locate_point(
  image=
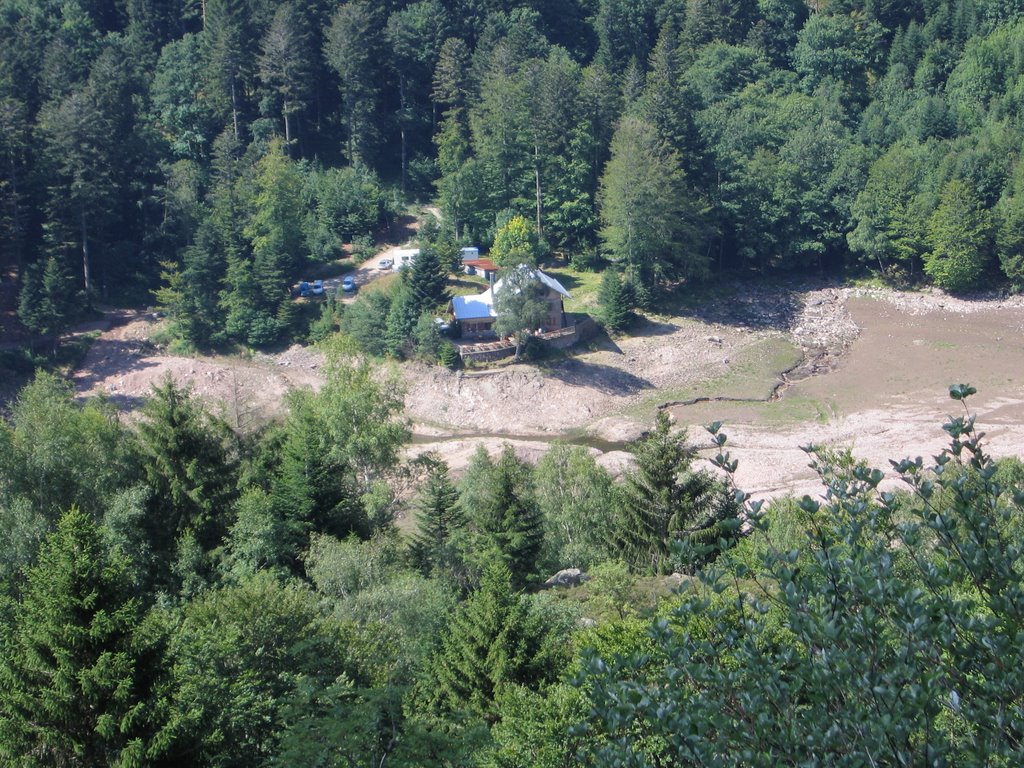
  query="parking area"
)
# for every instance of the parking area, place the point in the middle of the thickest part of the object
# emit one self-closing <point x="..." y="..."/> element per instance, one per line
<point x="370" y="270"/>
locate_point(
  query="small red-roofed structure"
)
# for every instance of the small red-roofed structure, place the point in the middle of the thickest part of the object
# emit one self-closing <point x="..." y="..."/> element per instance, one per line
<point x="485" y="267"/>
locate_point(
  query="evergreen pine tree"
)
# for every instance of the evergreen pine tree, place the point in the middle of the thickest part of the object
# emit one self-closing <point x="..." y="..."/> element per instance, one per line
<point x="614" y="301"/>
<point x="68" y="670"/>
<point x="489" y="642"/>
<point x="507" y="519"/>
<point x="475" y="484"/>
<point x="349" y="45"/>
<point x="666" y="102"/>
<point x="46" y="302"/>
<point x="652" y="224"/>
<point x="655" y="499"/>
<point x="229" y="37"/>
<point x="314" y="490"/>
<point x="959" y="232"/>
<point x="275" y="228"/>
<point x="402" y="318"/>
<point x="428" y="278"/>
<point x="439" y="517"/>
<point x="186" y="458"/>
<point x="1009" y="235"/>
<point x="286" y="64"/>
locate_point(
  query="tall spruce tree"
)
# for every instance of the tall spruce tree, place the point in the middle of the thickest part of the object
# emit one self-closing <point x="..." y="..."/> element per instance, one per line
<point x="314" y="488"/>
<point x="427" y="281"/>
<point x="349" y="43"/>
<point x="663" y="500"/>
<point x="275" y="231"/>
<point x="188" y="464"/>
<point x="78" y="144"/>
<point x="489" y="643"/>
<point x="439" y="517"/>
<point x="401" y="319"/>
<point x="614" y="301"/>
<point x="229" y="38"/>
<point x="70" y="676"/>
<point x="286" y="64"/>
<point x="45" y="302"/>
<point x="652" y="224"/>
<point x="959" y="233"/>
<point x="506" y="519"/>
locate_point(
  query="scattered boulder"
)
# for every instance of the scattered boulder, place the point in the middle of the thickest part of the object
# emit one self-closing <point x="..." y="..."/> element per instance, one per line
<point x="567" y="577"/>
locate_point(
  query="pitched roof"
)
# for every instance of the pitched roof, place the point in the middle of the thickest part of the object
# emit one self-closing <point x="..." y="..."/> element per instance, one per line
<point x="536" y="274"/>
<point x="482" y="305"/>
<point x="485" y="264"/>
<point x="474" y="307"/>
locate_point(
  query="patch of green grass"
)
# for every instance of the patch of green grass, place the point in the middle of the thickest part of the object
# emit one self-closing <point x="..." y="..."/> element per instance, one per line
<point x="466" y="285"/>
<point x="384" y="284"/>
<point x="755" y="370"/>
<point x="584" y="287"/>
<point x="753" y="374"/>
<point x="792" y="410"/>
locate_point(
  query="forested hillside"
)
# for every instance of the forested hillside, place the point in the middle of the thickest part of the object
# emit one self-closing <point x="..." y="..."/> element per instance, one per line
<point x="176" y="592"/>
<point x="216" y="147"/>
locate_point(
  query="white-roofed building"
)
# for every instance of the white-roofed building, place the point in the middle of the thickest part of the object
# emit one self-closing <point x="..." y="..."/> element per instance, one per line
<point x="476" y="314"/>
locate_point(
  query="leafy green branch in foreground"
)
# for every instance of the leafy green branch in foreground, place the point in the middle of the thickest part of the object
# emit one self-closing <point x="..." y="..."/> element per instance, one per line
<point x="890" y="636"/>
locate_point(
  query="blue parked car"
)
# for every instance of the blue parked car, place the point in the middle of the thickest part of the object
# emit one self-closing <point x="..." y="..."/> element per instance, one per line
<point x="348" y="285"/>
<point x="318" y="287"/>
<point x="303" y="288"/>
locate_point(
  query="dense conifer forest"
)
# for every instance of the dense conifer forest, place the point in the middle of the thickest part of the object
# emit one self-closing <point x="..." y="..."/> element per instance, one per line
<point x="213" y="149"/>
<point x="174" y="591"/>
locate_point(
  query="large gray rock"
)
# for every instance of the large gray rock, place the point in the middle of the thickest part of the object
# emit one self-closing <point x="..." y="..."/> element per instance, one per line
<point x="567" y="577"/>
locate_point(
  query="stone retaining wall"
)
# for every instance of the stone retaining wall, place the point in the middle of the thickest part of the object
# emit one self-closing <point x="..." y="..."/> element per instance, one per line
<point x="563" y="338"/>
<point x="485" y="353"/>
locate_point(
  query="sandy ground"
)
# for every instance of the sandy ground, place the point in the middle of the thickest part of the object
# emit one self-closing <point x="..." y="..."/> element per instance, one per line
<point x="888" y="397"/>
<point x="874" y="375"/>
<point x="123" y="366"/>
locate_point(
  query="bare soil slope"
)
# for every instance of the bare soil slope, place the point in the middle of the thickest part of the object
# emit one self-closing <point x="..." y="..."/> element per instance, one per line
<point x="848" y="367"/>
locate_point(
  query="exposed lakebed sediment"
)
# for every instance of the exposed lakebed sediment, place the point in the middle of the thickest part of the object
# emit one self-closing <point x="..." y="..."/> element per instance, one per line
<point x="782" y="366"/>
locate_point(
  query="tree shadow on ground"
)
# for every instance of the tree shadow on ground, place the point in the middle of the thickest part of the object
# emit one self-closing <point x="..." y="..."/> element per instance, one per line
<point x="773" y="305"/>
<point x="604" y="378"/>
<point x="645" y="326"/>
<point x="401" y="230"/>
<point x="111" y="355"/>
